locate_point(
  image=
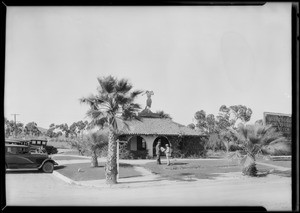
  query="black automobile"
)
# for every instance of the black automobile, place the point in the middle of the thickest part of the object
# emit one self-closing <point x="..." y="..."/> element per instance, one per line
<point x="21" y="157"/>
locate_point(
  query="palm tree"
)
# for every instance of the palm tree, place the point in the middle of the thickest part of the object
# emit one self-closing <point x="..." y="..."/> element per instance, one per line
<point x="252" y="139"/>
<point x="93" y="142"/>
<point x="112" y="105"/>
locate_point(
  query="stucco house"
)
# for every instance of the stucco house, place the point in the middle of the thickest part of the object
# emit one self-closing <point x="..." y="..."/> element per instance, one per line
<point x="143" y="134"/>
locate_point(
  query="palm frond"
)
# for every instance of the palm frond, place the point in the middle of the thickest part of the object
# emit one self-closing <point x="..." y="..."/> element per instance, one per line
<point x="123" y="86"/>
<point x="122" y="100"/>
<point x="135" y="93"/>
<point x="107" y="84"/>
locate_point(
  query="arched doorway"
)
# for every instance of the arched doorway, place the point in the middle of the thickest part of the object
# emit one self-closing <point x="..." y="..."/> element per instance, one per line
<point x="137" y="143"/>
<point x="164" y="141"/>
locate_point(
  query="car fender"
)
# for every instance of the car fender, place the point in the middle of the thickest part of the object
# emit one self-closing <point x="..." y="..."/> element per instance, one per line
<point x="48" y="160"/>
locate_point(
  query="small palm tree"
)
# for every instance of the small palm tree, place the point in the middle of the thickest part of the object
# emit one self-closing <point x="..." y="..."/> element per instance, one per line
<point x="252" y="139"/>
<point x="112" y="105"/>
<point x="94" y="142"/>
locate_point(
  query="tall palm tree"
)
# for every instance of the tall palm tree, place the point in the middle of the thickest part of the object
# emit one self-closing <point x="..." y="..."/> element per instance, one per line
<point x="112" y="105"/>
<point x="252" y="139"/>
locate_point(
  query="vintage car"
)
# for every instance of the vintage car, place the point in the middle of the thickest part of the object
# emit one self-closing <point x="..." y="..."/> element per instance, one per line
<point x="21" y="157"/>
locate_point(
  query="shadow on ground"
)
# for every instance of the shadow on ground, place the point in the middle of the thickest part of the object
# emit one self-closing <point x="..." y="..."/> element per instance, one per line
<point x="282" y="173"/>
<point x="59" y="167"/>
<point x="24" y="172"/>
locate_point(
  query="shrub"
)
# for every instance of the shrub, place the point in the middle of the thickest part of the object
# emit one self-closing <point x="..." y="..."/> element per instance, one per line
<point x="51" y="150"/>
<point x="280" y="148"/>
<point x="191" y="146"/>
<point x="126" y="154"/>
<point x="139" y="154"/>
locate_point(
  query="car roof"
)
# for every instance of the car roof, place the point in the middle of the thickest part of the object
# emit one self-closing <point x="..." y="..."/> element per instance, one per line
<point x="14" y="140"/>
<point x="38" y="139"/>
<point x="16" y="145"/>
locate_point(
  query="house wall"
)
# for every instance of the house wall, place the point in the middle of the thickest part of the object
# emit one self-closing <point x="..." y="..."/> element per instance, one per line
<point x="133" y="144"/>
<point x="149" y="143"/>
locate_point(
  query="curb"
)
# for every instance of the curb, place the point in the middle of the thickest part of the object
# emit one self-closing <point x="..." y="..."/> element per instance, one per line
<point x="64" y="178"/>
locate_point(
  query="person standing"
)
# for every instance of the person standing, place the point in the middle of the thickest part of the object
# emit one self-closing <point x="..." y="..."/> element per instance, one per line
<point x="157" y="149"/>
<point x="168" y="154"/>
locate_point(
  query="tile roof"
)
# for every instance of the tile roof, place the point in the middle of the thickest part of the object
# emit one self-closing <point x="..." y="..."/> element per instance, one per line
<point x="157" y="126"/>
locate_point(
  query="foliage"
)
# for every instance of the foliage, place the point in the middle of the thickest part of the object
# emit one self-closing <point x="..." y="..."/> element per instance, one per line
<point x="193" y="146"/>
<point x="78" y="144"/>
<point x="200" y="117"/>
<point x="95" y="141"/>
<point x="139" y="154"/>
<point x="51" y="149"/>
<point x="112" y="105"/>
<point x="162" y="114"/>
<point x="214" y="142"/>
<point x="252" y="139"/>
<point x="217" y="127"/>
<point x="191" y="126"/>
<point x="32" y="129"/>
<point x="11" y="128"/>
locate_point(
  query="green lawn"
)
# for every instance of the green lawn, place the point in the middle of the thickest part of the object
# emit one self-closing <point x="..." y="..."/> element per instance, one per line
<point x="93" y="173"/>
<point x="203" y="169"/>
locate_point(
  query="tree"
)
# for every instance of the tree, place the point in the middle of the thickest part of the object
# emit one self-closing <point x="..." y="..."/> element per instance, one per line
<point x="64" y="128"/>
<point x="32" y="129"/>
<point x="12" y="128"/>
<point x="251" y="140"/>
<point x="112" y="105"/>
<point x="200" y="117"/>
<point x="227" y="119"/>
<point x="94" y="142"/>
<point x="191" y="126"/>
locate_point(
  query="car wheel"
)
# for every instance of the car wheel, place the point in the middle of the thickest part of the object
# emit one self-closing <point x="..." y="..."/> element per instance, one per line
<point x="48" y="167"/>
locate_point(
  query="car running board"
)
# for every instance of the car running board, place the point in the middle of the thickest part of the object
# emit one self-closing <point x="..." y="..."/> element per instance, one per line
<point x="23" y="169"/>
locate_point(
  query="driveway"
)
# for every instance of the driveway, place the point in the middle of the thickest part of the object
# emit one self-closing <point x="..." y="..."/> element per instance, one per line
<point x="34" y="188"/>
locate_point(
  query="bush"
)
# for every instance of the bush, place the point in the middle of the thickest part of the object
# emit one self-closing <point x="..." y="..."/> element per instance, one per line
<point x="51" y="150"/>
<point x="126" y="154"/>
<point x="281" y="148"/>
<point x="139" y="154"/>
<point x="194" y="147"/>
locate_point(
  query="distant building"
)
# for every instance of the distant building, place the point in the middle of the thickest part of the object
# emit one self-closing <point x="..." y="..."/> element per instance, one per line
<point x="282" y="122"/>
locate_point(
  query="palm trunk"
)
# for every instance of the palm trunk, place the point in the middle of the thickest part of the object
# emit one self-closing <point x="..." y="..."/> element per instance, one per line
<point x="111" y="163"/>
<point x="94" y="162"/>
<point x="249" y="167"/>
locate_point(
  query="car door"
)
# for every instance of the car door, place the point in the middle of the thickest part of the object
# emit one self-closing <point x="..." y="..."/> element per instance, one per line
<point x="20" y="158"/>
<point x="15" y="159"/>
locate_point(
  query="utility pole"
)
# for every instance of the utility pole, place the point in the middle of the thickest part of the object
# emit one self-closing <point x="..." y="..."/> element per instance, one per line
<point x="15" y="123"/>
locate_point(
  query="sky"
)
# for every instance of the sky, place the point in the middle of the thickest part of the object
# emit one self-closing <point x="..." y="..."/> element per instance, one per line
<point x="192" y="57"/>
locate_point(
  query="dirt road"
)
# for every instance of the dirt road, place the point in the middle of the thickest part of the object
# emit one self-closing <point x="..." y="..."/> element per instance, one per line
<point x="31" y="188"/>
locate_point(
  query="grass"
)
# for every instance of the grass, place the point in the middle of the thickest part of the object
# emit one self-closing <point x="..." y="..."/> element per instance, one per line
<point x="93" y="173"/>
<point x="203" y="169"/>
